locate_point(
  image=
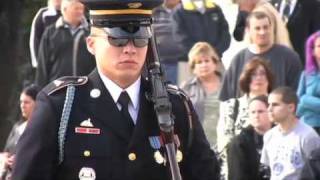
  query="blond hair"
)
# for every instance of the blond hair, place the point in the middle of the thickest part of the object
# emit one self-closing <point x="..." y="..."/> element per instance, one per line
<point x="280" y="34"/>
<point x="204" y="48"/>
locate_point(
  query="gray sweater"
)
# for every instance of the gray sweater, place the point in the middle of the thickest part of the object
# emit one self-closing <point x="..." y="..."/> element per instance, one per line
<point x="285" y="65"/>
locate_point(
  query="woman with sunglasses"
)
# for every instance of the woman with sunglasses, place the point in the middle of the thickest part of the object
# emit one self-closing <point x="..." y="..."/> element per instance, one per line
<point x="104" y="126"/>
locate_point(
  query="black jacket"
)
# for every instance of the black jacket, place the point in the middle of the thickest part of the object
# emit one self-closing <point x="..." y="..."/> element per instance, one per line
<point x="303" y="21"/>
<point x="190" y="27"/>
<point x="38" y="148"/>
<point x="43" y="19"/>
<point x="243" y="157"/>
<point x="56" y="53"/>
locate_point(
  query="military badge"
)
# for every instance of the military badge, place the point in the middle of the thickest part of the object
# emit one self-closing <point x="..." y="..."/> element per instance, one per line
<point x="135" y="5"/>
<point x="87" y="128"/>
<point x="86" y="123"/>
<point x="158" y="157"/>
<point x="156" y="144"/>
<point x="95" y="93"/>
<point x="179" y="155"/>
<point x="87" y="173"/>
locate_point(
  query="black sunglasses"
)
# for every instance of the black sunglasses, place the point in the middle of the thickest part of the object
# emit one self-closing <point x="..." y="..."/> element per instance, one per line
<point x="121" y="42"/>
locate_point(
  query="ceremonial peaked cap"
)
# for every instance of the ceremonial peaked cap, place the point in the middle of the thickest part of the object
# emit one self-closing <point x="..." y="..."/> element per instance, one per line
<point x="117" y="13"/>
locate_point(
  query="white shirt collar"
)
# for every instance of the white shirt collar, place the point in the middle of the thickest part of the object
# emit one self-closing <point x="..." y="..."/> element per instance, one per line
<point x="292" y="6"/>
<point x="133" y="90"/>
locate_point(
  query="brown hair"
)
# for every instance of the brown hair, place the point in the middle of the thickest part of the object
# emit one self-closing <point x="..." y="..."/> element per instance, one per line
<point x="261" y="98"/>
<point x="288" y="95"/>
<point x="248" y="70"/>
<point x="205" y="48"/>
<point x="257" y="15"/>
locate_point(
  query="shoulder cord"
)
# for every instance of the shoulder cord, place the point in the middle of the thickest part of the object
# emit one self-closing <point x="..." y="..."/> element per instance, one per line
<point x="190" y="134"/>
<point x="186" y="103"/>
<point x="64" y="120"/>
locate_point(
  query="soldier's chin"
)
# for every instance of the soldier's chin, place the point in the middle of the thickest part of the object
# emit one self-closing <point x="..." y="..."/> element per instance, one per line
<point x="130" y="76"/>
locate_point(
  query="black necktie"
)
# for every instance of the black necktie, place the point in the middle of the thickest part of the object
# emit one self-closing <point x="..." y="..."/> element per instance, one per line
<point x="124" y="100"/>
<point x="286" y="10"/>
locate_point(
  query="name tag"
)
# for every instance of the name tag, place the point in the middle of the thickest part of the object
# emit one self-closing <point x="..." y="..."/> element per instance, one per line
<point x="85" y="130"/>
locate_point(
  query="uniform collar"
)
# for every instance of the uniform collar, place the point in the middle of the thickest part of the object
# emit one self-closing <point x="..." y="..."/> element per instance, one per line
<point x="115" y="91"/>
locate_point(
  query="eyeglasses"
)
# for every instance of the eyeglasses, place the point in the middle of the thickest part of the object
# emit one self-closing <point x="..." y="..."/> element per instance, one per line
<point x="121" y="42"/>
<point x="258" y="74"/>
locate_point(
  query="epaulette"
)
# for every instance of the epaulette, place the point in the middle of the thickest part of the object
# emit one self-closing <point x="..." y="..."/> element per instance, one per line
<point x="173" y="89"/>
<point x="64" y="82"/>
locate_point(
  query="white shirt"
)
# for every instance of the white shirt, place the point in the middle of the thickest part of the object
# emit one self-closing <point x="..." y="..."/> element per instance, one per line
<point x="286" y="154"/>
<point x="133" y="91"/>
<point x="283" y="4"/>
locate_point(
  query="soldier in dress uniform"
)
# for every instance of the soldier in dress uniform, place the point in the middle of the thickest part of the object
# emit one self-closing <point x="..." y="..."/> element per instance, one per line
<point x="103" y="126"/>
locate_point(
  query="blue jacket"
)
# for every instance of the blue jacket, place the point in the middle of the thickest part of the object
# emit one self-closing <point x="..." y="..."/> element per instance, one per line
<point x="309" y="94"/>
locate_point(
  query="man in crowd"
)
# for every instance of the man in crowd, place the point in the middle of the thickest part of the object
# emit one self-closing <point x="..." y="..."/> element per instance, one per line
<point x="302" y="18"/>
<point x="62" y="50"/>
<point x="44" y="18"/>
<point x="200" y="20"/>
<point x="284" y="62"/>
<point x="104" y="126"/>
<point x="169" y="51"/>
<point x="287" y="145"/>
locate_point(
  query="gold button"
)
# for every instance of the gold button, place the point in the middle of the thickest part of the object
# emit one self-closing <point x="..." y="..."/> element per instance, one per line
<point x="132" y="156"/>
<point x="86" y="153"/>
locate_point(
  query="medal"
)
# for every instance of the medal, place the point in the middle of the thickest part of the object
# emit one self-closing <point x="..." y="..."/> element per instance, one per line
<point x="156" y="144"/>
<point x="87" y="173"/>
<point x="158" y="157"/>
<point x="179" y="156"/>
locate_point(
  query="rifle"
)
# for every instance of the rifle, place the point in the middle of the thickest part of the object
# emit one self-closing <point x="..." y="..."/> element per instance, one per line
<point x="162" y="106"/>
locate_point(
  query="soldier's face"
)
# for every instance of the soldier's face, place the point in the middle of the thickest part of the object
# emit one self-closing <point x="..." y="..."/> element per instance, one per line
<point x="123" y="65"/>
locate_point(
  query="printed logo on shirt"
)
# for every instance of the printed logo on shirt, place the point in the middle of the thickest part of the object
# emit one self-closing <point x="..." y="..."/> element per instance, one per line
<point x="277" y="168"/>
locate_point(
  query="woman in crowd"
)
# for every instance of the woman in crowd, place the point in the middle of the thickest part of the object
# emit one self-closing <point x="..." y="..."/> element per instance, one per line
<point x="309" y="85"/>
<point x="256" y="79"/>
<point x="244" y="149"/>
<point x="203" y="88"/>
<point x="27" y="103"/>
